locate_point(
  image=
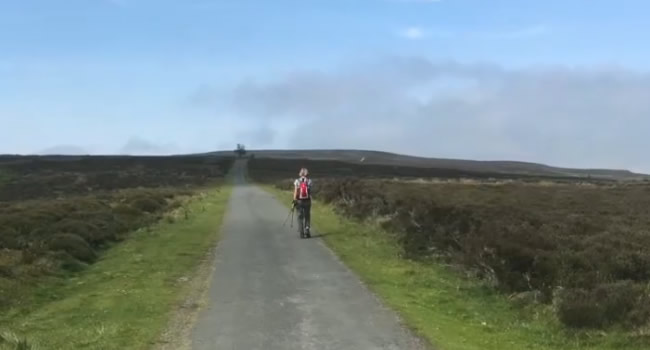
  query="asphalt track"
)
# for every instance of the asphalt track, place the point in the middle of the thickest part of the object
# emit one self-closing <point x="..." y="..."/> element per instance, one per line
<point x="272" y="290"/>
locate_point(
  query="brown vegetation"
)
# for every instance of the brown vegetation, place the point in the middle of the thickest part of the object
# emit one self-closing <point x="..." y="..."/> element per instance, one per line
<point x="583" y="249"/>
<point x="364" y="157"/>
<point x="58" y="214"/>
<point x="276" y="169"/>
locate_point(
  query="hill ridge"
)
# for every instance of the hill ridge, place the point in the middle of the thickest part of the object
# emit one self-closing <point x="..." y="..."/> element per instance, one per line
<point x="396" y="159"/>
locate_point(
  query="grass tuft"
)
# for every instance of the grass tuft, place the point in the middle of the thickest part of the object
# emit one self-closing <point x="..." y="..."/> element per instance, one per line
<point x="11" y="341"/>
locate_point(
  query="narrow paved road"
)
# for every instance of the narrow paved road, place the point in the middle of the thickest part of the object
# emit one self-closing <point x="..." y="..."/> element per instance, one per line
<point x="271" y="290"/>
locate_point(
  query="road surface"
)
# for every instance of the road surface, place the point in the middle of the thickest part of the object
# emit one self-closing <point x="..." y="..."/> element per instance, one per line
<point x="272" y="290"/>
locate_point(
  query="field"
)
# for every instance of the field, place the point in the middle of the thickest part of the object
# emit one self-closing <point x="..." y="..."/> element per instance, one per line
<point x="60" y="215"/>
<point x="351" y="159"/>
<point x="276" y="169"/>
<point x="577" y="250"/>
<point x="472" y="260"/>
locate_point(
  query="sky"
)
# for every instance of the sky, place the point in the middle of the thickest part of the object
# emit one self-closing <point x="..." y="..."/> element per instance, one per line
<point x="565" y="83"/>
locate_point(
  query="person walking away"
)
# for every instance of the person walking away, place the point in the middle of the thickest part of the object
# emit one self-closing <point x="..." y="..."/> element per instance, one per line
<point x="302" y="200"/>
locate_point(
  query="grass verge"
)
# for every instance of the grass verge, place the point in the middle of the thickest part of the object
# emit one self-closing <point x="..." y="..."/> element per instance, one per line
<point x="444" y="307"/>
<point x="125" y="299"/>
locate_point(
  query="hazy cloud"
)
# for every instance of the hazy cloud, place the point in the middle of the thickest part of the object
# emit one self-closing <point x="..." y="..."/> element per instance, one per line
<point x="412" y="33"/>
<point x="64" y="150"/>
<point x="532" y="31"/>
<point x="141" y="146"/>
<point x="260" y="137"/>
<point x="203" y="96"/>
<point x="570" y="117"/>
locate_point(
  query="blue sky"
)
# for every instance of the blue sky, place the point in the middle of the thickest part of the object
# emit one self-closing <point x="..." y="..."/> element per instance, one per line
<point x="144" y="76"/>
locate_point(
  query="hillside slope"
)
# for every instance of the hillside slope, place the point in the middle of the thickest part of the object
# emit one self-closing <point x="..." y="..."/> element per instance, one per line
<point x="393" y="159"/>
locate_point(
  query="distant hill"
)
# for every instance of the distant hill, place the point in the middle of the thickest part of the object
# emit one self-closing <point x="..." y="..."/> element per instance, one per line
<point x="393" y="159"/>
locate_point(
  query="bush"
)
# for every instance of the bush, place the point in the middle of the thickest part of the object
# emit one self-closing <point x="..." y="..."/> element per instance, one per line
<point x="592" y="242"/>
<point x="126" y="211"/>
<point x="59" y="212"/>
<point x="68" y="262"/>
<point x="576" y="308"/>
<point x="10" y="239"/>
<point x="7" y="271"/>
<point x="148" y="205"/>
<point x="73" y="245"/>
<point x="623" y="302"/>
<point x="85" y="229"/>
<point x="42" y="177"/>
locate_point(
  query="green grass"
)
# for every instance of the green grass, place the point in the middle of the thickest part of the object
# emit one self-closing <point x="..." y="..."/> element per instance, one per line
<point x="124" y="300"/>
<point x="451" y="311"/>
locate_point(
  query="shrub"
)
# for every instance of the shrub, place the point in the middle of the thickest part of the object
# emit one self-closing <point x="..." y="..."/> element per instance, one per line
<point x="623" y="302"/>
<point x="148" y="204"/>
<point x="73" y="245"/>
<point x="38" y="177"/>
<point x="58" y="212"/>
<point x="7" y="271"/>
<point x="10" y="239"/>
<point x="577" y="308"/>
<point x="84" y="229"/>
<point x="69" y="262"/>
<point x="34" y="251"/>
<point x="591" y="242"/>
<point x="126" y="211"/>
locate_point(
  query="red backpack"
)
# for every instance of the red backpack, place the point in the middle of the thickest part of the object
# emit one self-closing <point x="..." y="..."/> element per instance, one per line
<point x="303" y="190"/>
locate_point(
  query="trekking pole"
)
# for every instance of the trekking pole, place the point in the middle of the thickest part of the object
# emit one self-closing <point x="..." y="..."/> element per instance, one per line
<point x="285" y="220"/>
<point x="290" y="214"/>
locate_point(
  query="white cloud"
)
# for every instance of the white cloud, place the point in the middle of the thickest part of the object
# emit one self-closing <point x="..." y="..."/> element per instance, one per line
<point x="591" y="117"/>
<point x="417" y="32"/>
<point x="413" y="33"/>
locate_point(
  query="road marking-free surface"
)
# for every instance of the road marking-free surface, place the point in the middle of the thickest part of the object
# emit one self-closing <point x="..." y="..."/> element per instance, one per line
<point x="272" y="290"/>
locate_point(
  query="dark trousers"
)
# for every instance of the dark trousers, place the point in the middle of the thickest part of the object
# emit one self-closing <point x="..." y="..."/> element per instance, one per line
<point x="304" y="208"/>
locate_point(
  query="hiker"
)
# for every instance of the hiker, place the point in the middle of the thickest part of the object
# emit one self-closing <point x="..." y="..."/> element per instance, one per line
<point x="302" y="199"/>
